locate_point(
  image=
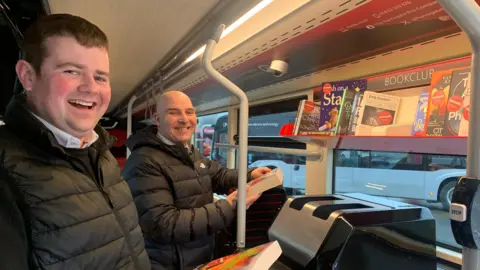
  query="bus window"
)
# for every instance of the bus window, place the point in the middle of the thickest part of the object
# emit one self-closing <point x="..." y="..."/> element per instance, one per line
<point x="396" y="161"/>
<point x="205" y="134"/>
<point x="220" y="154"/>
<point x="438" y="162"/>
<point x="264" y="124"/>
<point x="204" y="138"/>
<point x="293" y="168"/>
<point x="423" y="179"/>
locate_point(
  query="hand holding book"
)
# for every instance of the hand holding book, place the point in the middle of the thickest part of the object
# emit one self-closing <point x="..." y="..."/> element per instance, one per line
<point x="265" y="180"/>
<point x="251" y="198"/>
<point x="258" y="172"/>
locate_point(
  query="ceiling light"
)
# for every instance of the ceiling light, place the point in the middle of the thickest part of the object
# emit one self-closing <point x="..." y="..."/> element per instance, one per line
<point x="245" y="17"/>
<point x="196" y="54"/>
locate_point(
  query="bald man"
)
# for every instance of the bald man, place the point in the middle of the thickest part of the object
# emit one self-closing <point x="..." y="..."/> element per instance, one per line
<point x="173" y="184"/>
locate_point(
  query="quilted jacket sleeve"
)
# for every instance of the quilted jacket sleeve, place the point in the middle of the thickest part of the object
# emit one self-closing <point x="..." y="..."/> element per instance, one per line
<point x="14" y="250"/>
<point x="160" y="218"/>
<point x="224" y="179"/>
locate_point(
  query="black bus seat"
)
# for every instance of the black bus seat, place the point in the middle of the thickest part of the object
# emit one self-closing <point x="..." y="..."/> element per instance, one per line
<point x="260" y="217"/>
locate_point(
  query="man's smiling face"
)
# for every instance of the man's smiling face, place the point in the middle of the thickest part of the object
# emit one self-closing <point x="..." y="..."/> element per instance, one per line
<point x="176" y="118"/>
<point x="72" y="89"/>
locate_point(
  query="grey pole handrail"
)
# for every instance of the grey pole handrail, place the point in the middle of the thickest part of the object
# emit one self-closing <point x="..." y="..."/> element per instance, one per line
<point x="287" y="151"/>
<point x="466" y="13"/>
<point x="129" y="119"/>
<point x="243" y="132"/>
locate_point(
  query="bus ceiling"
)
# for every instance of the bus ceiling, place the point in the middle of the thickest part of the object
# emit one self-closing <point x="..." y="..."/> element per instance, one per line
<point x="321" y="41"/>
<point x="162" y="41"/>
<point x="150" y="36"/>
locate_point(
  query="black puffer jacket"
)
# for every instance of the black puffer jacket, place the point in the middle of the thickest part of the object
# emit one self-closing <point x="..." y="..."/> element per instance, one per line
<point x="54" y="214"/>
<point x="174" y="198"/>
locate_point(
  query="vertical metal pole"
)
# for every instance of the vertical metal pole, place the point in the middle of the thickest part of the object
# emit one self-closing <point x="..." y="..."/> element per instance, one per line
<point x="243" y="133"/>
<point x="466" y="13"/>
<point x="232" y="130"/>
<point x="129" y="119"/>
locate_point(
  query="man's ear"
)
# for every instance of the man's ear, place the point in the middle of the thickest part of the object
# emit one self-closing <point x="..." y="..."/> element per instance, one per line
<point x="26" y="74"/>
<point x="156" y="119"/>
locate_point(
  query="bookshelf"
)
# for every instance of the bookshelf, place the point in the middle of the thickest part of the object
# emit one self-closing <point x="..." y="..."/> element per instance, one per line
<point x="443" y="145"/>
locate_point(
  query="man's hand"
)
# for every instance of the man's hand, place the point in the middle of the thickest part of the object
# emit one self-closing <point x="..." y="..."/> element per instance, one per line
<point x="250" y="200"/>
<point x="259" y="172"/>
<point x="232" y="198"/>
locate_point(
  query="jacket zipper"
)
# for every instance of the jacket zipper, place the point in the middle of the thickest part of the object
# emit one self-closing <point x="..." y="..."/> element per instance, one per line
<point x="180" y="257"/>
<point x="110" y="203"/>
<point x="191" y="163"/>
<point x="125" y="233"/>
<point x="198" y="178"/>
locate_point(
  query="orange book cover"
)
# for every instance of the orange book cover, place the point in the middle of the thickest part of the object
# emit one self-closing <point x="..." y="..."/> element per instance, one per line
<point x="259" y="257"/>
<point x="437" y="102"/>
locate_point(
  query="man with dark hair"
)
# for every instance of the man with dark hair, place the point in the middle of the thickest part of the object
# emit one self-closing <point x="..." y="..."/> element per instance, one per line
<point x="173" y="185"/>
<point x="63" y="203"/>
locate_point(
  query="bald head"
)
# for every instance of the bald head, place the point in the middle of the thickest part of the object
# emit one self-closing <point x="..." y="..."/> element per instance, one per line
<point x="176" y="118"/>
<point x="172" y="97"/>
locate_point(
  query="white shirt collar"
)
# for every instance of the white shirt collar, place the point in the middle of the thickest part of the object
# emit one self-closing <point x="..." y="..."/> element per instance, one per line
<point x="66" y="140"/>
<point x="167" y="141"/>
<point x="164" y="139"/>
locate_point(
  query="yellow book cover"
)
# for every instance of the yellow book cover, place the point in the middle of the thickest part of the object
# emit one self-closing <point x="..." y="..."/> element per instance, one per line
<point x="258" y="258"/>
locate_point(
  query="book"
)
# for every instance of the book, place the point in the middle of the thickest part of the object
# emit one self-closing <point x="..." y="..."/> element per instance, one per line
<point x="455" y="104"/>
<point x="352" y="92"/>
<point x="261" y="257"/>
<point x="377" y="109"/>
<point x="265" y="182"/>
<point x="336" y="100"/>
<point x="437" y="102"/>
<point x="420" y="114"/>
<point x="463" y="129"/>
<point x="357" y="105"/>
<point x="308" y="118"/>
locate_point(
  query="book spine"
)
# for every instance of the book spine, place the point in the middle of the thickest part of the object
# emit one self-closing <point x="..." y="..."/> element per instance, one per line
<point x="299" y="117"/>
<point x="345" y="113"/>
<point x="354" y="109"/>
<point x="356" y="115"/>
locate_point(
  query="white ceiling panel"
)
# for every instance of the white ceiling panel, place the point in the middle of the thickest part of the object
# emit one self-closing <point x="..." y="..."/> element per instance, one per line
<point x="140" y="33"/>
<point x="277" y="23"/>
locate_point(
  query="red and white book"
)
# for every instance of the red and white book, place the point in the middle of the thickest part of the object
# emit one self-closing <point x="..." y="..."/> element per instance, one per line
<point x="265" y="182"/>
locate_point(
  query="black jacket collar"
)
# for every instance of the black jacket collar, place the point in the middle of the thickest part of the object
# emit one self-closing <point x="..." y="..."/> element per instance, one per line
<point x="148" y="137"/>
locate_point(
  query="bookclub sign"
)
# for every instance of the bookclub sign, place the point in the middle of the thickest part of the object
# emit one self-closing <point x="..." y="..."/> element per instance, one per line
<point x="412" y="77"/>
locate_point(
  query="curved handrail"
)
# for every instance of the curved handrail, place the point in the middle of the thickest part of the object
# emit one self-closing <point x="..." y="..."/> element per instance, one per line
<point x="243" y="132"/>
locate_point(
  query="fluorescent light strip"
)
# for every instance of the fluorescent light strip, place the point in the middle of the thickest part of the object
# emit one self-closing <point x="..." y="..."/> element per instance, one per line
<point x="245" y="17"/>
<point x="195" y="54"/>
